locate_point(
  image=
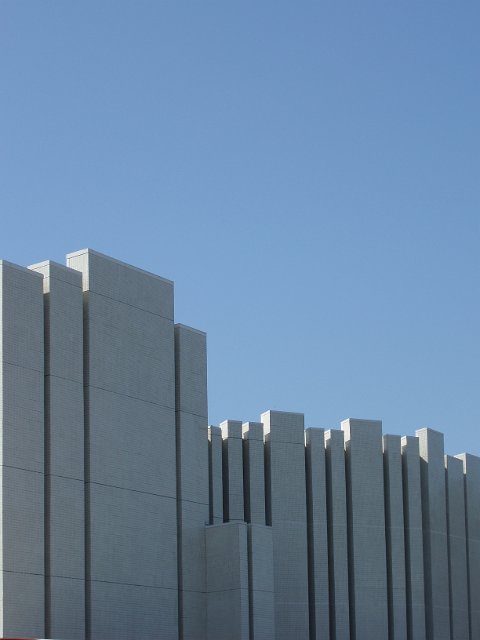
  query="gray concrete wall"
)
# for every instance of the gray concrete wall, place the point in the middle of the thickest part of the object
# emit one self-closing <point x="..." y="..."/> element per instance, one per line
<point x="22" y="561"/>
<point x="261" y="585"/>
<point x="227" y="581"/>
<point x="412" y="511"/>
<point x="395" y="531"/>
<point x="130" y="490"/>
<point x="319" y="601"/>
<point x="254" y="472"/>
<point x="193" y="509"/>
<point x="435" y="542"/>
<point x="232" y="459"/>
<point x="457" y="549"/>
<point x="284" y="434"/>
<point x="64" y="452"/>
<point x="366" y="529"/>
<point x="337" y="529"/>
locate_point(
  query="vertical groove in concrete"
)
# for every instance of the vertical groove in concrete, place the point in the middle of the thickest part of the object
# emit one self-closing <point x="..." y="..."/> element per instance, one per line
<point x="215" y="474"/>
<point x="395" y="530"/>
<point x="366" y="509"/>
<point x="319" y="607"/>
<point x="337" y="535"/>
<point x="457" y="549"/>
<point x="414" y="563"/>
<point x="289" y="521"/>
<point x="437" y="600"/>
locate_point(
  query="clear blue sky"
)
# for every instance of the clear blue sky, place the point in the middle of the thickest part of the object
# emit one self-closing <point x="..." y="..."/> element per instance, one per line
<point x="306" y="172"/>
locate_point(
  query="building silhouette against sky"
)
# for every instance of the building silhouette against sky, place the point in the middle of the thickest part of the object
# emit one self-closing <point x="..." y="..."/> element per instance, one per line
<point x="124" y="515"/>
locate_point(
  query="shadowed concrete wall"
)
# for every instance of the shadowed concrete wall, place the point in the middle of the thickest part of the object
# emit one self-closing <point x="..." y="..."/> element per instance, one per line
<point x="395" y="530"/>
<point x="412" y="511"/>
<point x="337" y="535"/>
<point x="319" y="605"/>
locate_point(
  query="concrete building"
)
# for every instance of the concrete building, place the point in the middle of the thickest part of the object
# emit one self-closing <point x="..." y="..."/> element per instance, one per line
<point x="125" y="515"/>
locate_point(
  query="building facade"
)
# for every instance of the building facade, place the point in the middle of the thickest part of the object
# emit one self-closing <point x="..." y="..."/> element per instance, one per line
<point x="125" y="516"/>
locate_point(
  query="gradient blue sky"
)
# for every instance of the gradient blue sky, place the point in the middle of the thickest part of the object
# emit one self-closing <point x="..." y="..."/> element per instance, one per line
<point x="306" y="172"/>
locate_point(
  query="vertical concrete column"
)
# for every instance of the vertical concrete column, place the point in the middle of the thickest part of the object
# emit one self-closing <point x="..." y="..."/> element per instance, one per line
<point x="254" y="472"/>
<point x="233" y="504"/>
<point x="471" y="468"/>
<point x="227" y="581"/>
<point x="192" y="479"/>
<point x="457" y="549"/>
<point x="64" y="452"/>
<point x="261" y="587"/>
<point x="285" y="443"/>
<point x="319" y="605"/>
<point x="366" y="528"/>
<point x="22" y="561"/>
<point x="130" y="480"/>
<point x="215" y="474"/>
<point x="395" y="530"/>
<point x="435" y="543"/>
<point x="412" y="512"/>
<point x="337" y="530"/>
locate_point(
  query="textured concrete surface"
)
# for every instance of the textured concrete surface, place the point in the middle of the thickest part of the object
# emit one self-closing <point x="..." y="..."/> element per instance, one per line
<point x="435" y="542"/>
<point x="395" y="536"/>
<point x="337" y="534"/>
<point x="254" y="472"/>
<point x="284" y="436"/>
<point x="319" y="601"/>
<point x="366" y="524"/>
<point x="412" y="512"/>
<point x="22" y="559"/>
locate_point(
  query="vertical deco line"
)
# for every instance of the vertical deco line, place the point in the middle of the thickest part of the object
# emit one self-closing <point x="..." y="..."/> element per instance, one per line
<point x="86" y="414"/>
<point x="178" y="463"/>
<point x="47" y="478"/>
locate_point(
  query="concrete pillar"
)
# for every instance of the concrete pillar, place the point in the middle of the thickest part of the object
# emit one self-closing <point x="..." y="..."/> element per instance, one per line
<point x="215" y="474"/>
<point x="64" y="452"/>
<point x="337" y="535"/>
<point x="130" y="490"/>
<point x="457" y="549"/>
<point x="261" y="588"/>
<point x="285" y="443"/>
<point x="254" y="472"/>
<point x="319" y="604"/>
<point x="233" y="504"/>
<point x="395" y="530"/>
<point x="227" y="581"/>
<point x="366" y="529"/>
<point x="22" y="561"/>
<point x="471" y="469"/>
<point x="435" y="543"/>
<point x="412" y="511"/>
<point x="192" y="479"/>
